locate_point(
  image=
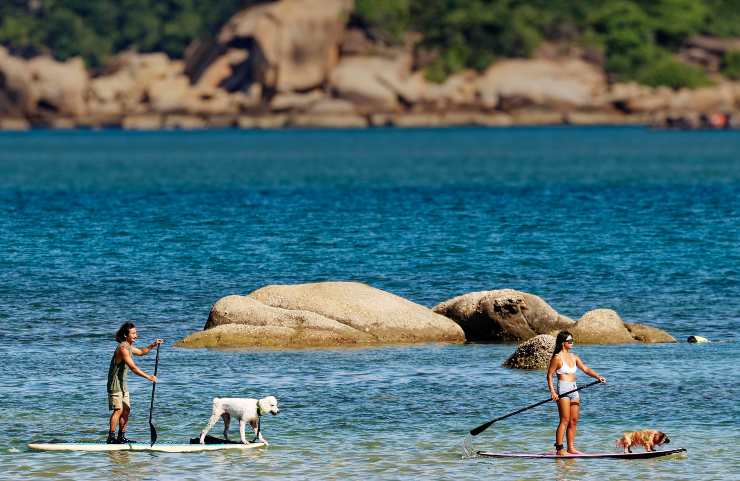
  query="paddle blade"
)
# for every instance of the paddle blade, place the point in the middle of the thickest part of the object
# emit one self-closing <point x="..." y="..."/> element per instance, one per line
<point x="480" y="429"/>
<point x="152" y="433"/>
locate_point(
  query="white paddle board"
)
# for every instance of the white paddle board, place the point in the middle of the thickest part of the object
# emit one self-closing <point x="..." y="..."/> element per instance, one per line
<point x="640" y="455"/>
<point x="165" y="448"/>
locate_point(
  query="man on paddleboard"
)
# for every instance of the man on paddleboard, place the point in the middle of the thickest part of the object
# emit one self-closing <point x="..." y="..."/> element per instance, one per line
<point x="118" y="396"/>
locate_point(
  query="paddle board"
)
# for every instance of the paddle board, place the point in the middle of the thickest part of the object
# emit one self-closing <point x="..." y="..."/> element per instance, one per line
<point x="165" y="448"/>
<point x="636" y="455"/>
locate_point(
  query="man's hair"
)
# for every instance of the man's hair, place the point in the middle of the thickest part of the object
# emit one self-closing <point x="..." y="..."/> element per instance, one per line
<point x="122" y="332"/>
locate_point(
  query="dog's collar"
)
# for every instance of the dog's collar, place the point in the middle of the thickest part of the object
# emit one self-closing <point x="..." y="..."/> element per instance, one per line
<point x="259" y="410"/>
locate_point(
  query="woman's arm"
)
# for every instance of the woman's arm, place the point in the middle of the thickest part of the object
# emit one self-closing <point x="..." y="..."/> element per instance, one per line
<point x="550" y="371"/>
<point x="583" y="367"/>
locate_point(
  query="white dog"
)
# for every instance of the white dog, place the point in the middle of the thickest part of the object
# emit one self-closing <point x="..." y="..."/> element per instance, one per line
<point x="246" y="410"/>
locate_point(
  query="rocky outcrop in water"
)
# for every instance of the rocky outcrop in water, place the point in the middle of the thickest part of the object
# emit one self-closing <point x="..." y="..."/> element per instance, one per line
<point x="601" y="326"/>
<point x="502" y="315"/>
<point x="320" y="314"/>
<point x="534" y="353"/>
<point x="648" y="334"/>
<point x="508" y="315"/>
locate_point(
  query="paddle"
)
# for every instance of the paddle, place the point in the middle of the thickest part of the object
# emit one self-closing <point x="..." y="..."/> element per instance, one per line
<point x="152" y="429"/>
<point x="485" y="426"/>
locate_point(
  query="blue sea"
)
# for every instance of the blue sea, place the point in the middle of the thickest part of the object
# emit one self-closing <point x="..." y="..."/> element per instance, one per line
<point x="99" y="227"/>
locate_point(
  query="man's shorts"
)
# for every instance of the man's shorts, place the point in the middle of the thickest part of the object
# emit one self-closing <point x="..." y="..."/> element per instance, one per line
<point x="116" y="400"/>
<point x="565" y="386"/>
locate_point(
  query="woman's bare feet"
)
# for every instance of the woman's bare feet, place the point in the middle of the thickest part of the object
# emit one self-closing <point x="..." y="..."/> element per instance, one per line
<point x="574" y="451"/>
<point x="561" y="452"/>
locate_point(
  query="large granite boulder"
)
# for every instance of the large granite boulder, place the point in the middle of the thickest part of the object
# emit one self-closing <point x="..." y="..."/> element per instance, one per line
<point x="292" y="44"/>
<point x="320" y="314"/>
<point x="43" y="87"/>
<point x="16" y="97"/>
<point x="635" y="98"/>
<point x="458" y="91"/>
<point x="225" y="69"/>
<point x="502" y="315"/>
<point x="60" y="87"/>
<point x="372" y="83"/>
<point x="244" y="321"/>
<point x="532" y="354"/>
<point x="719" y="98"/>
<point x="648" y="334"/>
<point x="567" y="83"/>
<point x="601" y="326"/>
<point x="506" y="315"/>
<point x="137" y="84"/>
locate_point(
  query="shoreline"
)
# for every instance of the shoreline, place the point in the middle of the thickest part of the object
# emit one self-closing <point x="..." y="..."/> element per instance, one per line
<point x="278" y="122"/>
<point x="175" y="122"/>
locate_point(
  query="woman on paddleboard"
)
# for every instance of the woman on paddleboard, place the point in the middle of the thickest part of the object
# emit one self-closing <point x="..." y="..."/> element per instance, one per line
<point x="564" y="363"/>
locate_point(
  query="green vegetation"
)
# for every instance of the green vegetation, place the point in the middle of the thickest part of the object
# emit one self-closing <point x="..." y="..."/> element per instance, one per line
<point x="731" y="65"/>
<point x="636" y="38"/>
<point x="386" y="20"/>
<point x="670" y="72"/>
<point x="95" y="29"/>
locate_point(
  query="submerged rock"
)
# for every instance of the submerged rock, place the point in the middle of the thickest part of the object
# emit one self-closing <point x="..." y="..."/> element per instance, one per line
<point x="320" y="314"/>
<point x="532" y="354"/>
<point x="696" y="339"/>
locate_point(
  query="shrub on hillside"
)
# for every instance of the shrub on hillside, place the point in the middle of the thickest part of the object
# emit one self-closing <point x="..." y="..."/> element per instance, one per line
<point x="624" y="31"/>
<point x="385" y="19"/>
<point x="670" y="72"/>
<point x="731" y="64"/>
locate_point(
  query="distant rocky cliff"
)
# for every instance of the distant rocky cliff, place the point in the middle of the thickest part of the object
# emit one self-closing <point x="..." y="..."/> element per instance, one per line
<point x="295" y="63"/>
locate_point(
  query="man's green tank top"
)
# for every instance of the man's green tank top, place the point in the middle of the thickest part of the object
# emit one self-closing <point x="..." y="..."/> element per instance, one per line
<point x="118" y="371"/>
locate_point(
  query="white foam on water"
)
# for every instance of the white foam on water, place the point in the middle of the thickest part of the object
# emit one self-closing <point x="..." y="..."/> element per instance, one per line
<point x="468" y="448"/>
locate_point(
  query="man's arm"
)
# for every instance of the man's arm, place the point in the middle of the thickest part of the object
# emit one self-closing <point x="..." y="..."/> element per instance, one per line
<point x="145" y="350"/>
<point x="126" y="357"/>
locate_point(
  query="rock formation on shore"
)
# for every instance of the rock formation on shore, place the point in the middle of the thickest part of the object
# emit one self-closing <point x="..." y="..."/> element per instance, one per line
<point x="320" y="314"/>
<point x="296" y="63"/>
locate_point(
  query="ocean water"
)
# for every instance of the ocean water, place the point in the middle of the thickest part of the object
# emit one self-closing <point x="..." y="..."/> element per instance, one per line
<point x="101" y="227"/>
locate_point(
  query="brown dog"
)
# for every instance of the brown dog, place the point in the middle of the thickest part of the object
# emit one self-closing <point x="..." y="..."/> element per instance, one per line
<point x="646" y="438"/>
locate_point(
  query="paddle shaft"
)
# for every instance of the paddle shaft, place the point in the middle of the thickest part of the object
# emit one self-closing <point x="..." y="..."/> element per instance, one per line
<point x="485" y="426"/>
<point x="152" y="430"/>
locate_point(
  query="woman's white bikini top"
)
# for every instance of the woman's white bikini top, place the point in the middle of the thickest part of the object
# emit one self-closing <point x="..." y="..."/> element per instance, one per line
<point x="564" y="369"/>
